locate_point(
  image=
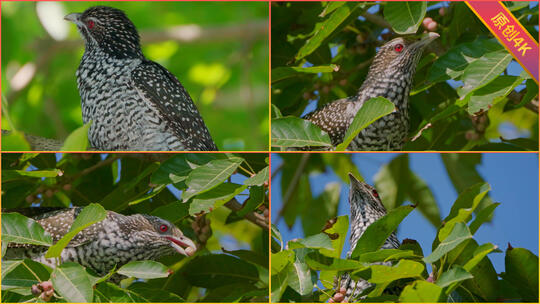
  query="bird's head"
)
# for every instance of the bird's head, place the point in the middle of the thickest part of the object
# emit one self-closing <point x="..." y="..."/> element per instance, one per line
<point x="157" y="233"/>
<point x="108" y="29"/>
<point x="400" y="55"/>
<point x="364" y="200"/>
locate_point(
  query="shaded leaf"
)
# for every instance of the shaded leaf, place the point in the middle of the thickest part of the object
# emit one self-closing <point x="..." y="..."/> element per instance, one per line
<point x="71" y="281"/>
<point x="459" y="234"/>
<point x="377" y="233"/>
<point x="19" y="229"/>
<point x="370" y="111"/>
<point x="209" y="175"/>
<point x="144" y="270"/>
<point x="405" y="17"/>
<point x="297" y="132"/>
<point x="89" y="215"/>
<point x="78" y="139"/>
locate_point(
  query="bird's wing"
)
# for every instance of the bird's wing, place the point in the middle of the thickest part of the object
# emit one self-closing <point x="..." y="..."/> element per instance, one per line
<point x="161" y="89"/>
<point x="57" y="222"/>
<point x="332" y="120"/>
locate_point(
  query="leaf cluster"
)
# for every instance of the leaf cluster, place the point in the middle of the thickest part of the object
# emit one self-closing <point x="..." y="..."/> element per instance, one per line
<point x="462" y="271"/>
<point x="176" y="187"/>
<point x="464" y="90"/>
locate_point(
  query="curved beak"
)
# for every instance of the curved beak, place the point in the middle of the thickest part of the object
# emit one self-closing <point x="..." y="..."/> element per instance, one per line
<point x="74" y="17"/>
<point x="182" y="245"/>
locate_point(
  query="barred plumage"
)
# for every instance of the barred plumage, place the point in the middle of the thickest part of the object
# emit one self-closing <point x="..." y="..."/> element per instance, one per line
<point x="116" y="240"/>
<point x="390" y="76"/>
<point x="366" y="208"/>
<point x="133" y="103"/>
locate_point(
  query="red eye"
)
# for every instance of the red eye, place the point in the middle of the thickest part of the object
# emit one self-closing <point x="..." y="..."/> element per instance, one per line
<point x="90" y="24"/>
<point x="375" y="193"/>
<point x="163" y="228"/>
<point x="398" y="47"/>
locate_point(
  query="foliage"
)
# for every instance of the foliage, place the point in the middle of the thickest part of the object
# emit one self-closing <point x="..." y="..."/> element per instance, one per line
<point x="225" y="72"/>
<point x="230" y="191"/>
<point x="304" y="269"/>
<point x="466" y="94"/>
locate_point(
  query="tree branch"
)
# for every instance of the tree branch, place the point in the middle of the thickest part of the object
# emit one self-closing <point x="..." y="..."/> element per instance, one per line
<point x="254" y="217"/>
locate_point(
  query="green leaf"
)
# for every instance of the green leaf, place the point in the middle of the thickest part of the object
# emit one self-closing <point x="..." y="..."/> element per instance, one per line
<point x="209" y="175"/>
<point x="385" y="274"/>
<point x="19" y="229"/>
<point x="421" y="292"/>
<point x="256" y="198"/>
<point x="484" y="70"/>
<point x="369" y="112"/>
<point x="177" y="168"/>
<point x="258" y="179"/>
<point x="484" y="98"/>
<point x="71" y="281"/>
<point x="469" y="198"/>
<point x="297" y="132"/>
<point x="483" y="216"/>
<point x="18" y="276"/>
<point x="281" y="259"/>
<point x="521" y="267"/>
<point x="281" y="73"/>
<point x="405" y="17"/>
<point x="301" y="279"/>
<point x="210" y="271"/>
<point x="78" y="139"/>
<point x="420" y="194"/>
<point x="387" y="255"/>
<point x="280" y="282"/>
<point x="326" y="28"/>
<point x="215" y="198"/>
<point x="326" y="204"/>
<point x="276" y="113"/>
<point x="277" y="235"/>
<point x="338" y="231"/>
<point x="15" y="141"/>
<point x="144" y="270"/>
<point x="12" y="175"/>
<point x="453" y="275"/>
<point x="111" y="293"/>
<point x="250" y="256"/>
<point x="172" y="212"/>
<point x="459" y="234"/>
<point x="452" y="64"/>
<point x="317" y="241"/>
<point x="377" y="233"/>
<point x="90" y="215"/>
<point x="318" y="261"/>
<point x="479" y="253"/>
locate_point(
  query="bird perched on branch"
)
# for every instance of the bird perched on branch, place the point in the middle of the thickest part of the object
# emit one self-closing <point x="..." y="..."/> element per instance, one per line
<point x="366" y="208"/>
<point x="132" y="102"/>
<point x="390" y="76"/>
<point x="116" y="240"/>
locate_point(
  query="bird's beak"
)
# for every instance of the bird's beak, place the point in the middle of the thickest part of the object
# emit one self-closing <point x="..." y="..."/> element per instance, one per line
<point x="427" y="39"/>
<point x="182" y="244"/>
<point x="354" y="180"/>
<point x="74" y="17"/>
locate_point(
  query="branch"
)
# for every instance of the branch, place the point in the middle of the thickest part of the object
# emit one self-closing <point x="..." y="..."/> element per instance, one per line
<point x="254" y="217"/>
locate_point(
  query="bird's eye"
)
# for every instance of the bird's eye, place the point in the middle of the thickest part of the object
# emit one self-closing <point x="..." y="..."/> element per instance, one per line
<point x="163" y="228"/>
<point x="398" y="47"/>
<point x="375" y="193"/>
<point x="90" y="24"/>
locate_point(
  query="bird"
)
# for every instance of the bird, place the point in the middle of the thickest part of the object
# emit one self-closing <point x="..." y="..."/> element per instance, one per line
<point x="113" y="242"/>
<point x="133" y="103"/>
<point x="366" y="207"/>
<point x="390" y="76"/>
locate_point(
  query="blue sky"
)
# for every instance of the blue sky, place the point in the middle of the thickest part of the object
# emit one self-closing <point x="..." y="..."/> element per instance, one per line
<point x="513" y="178"/>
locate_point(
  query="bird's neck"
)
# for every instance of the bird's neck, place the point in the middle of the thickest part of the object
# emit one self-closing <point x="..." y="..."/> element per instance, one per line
<point x="392" y="85"/>
<point x="362" y="215"/>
